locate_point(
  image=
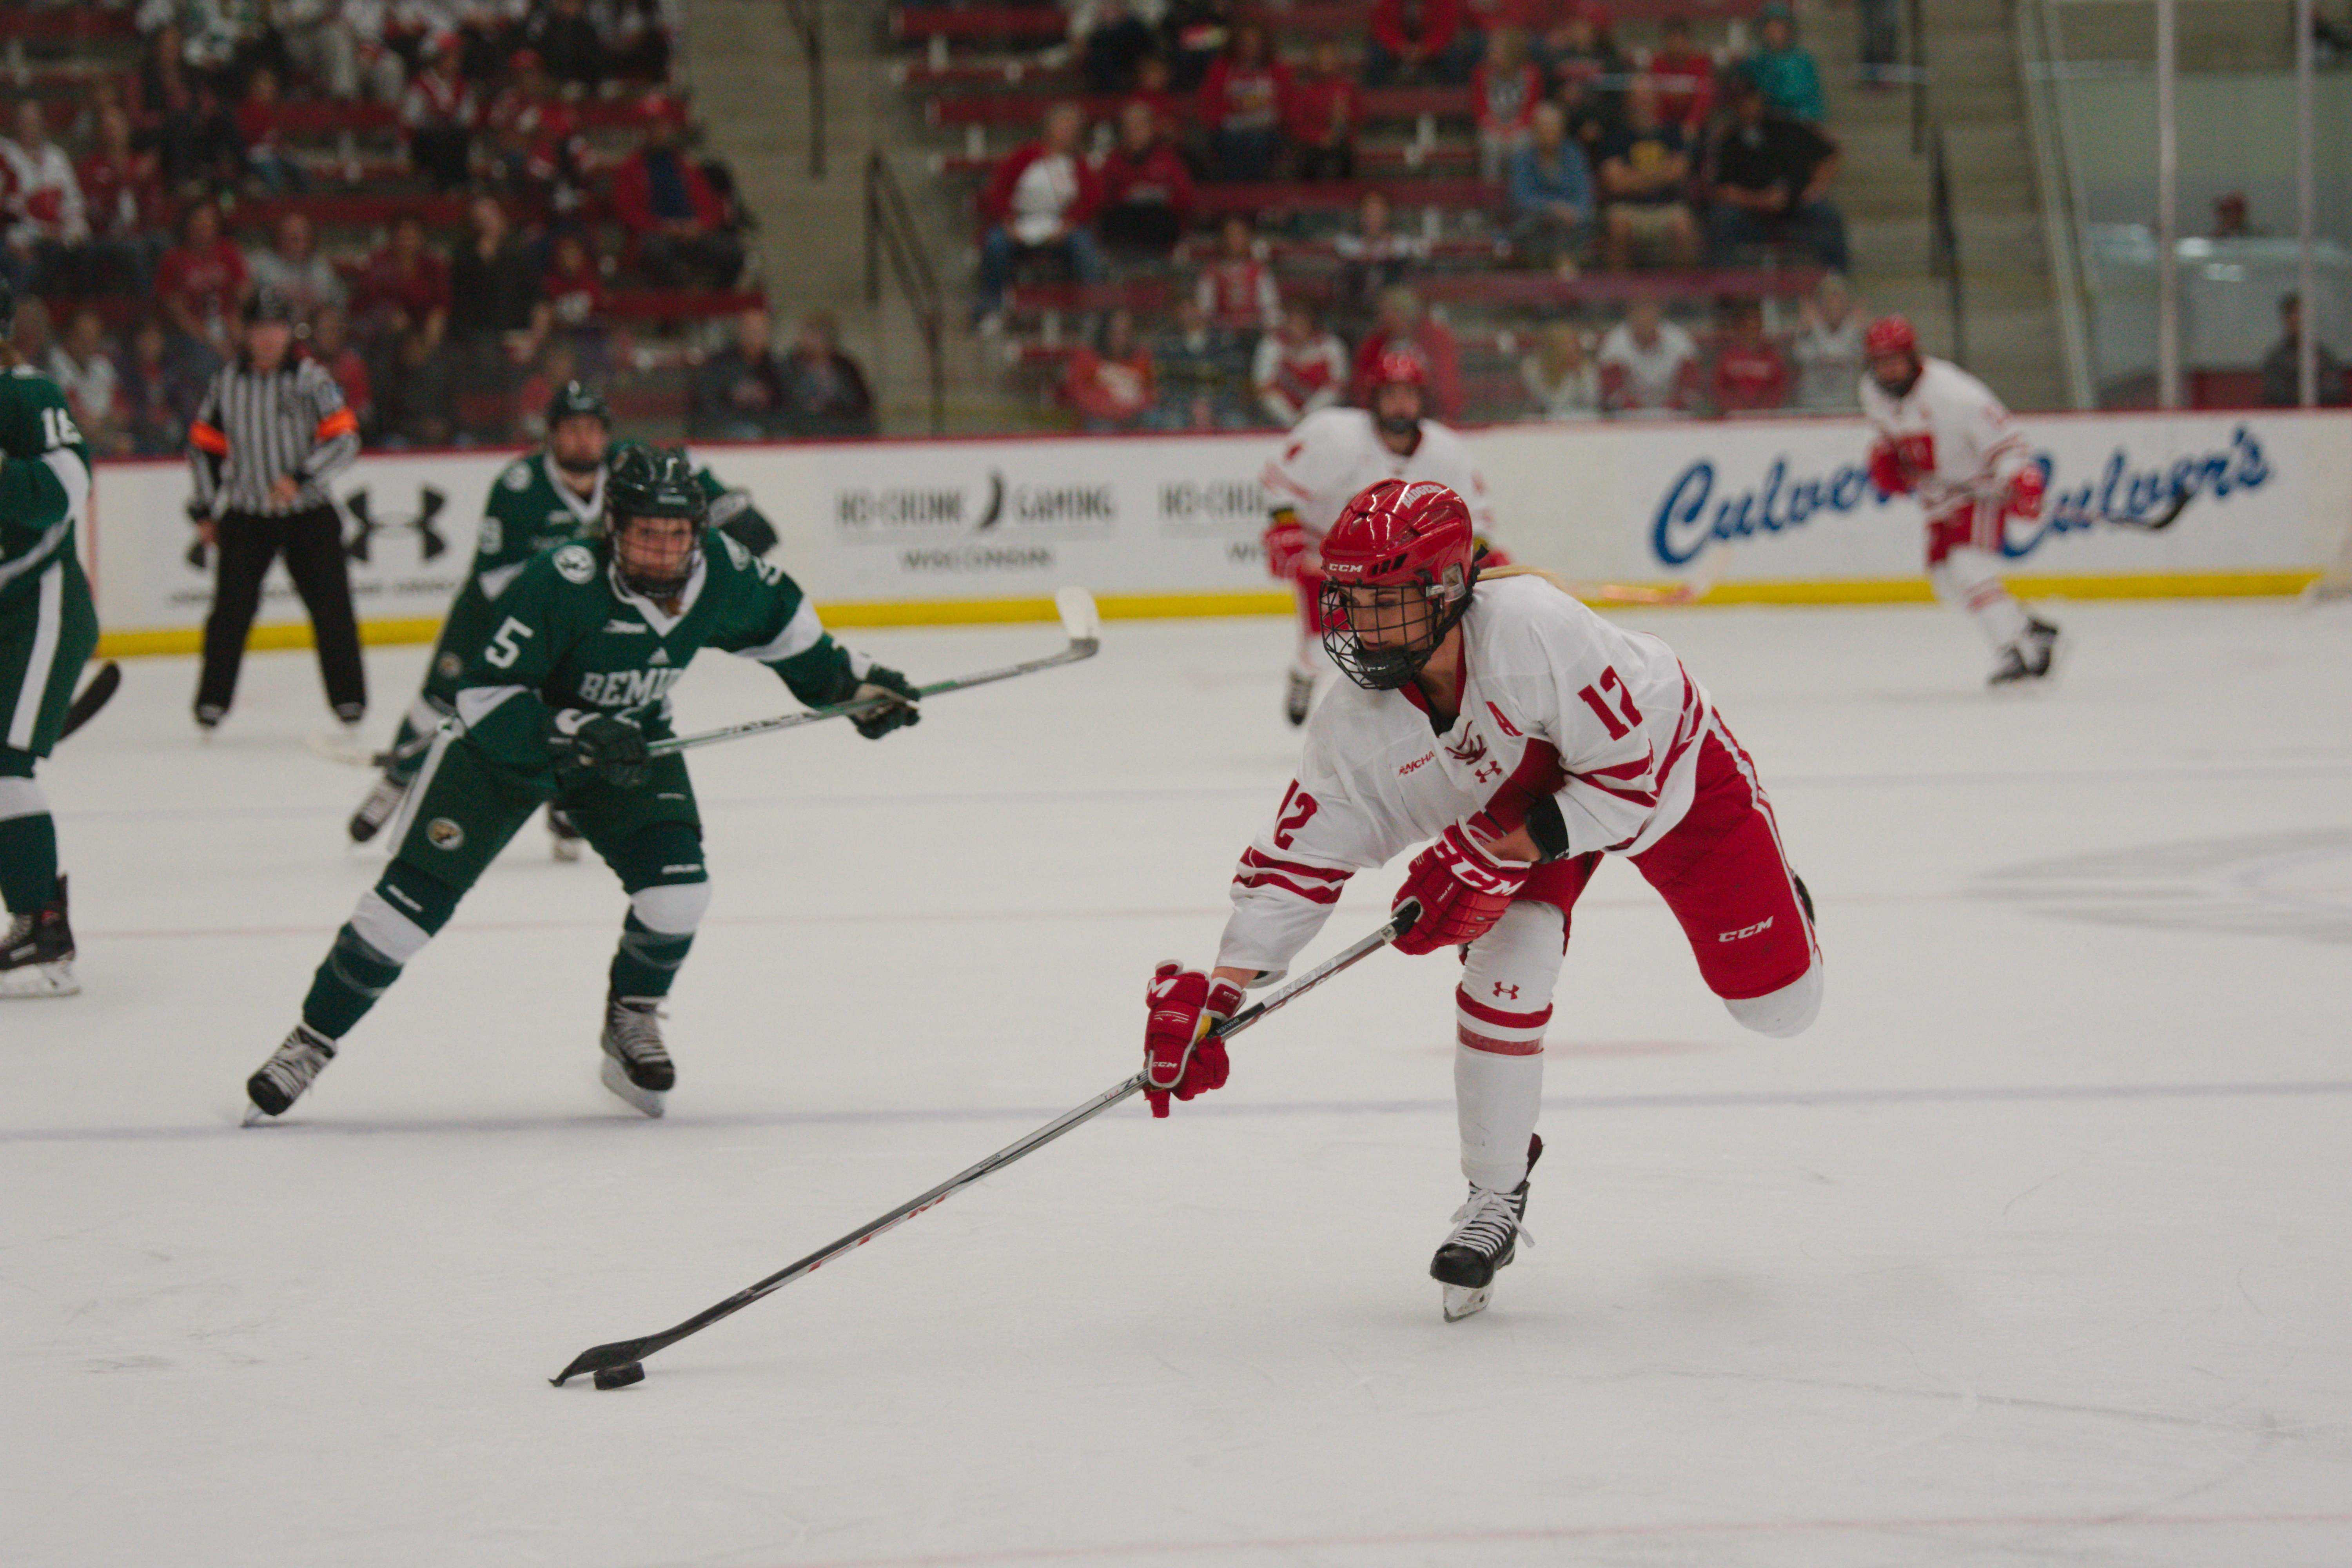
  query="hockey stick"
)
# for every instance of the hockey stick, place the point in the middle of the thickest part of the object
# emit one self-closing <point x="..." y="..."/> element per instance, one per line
<point x="2163" y="520"/>
<point x="1079" y="621"/>
<point x="91" y="697"/>
<point x="619" y="1364"/>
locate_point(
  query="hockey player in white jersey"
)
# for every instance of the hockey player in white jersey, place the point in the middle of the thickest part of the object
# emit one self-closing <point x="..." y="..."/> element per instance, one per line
<point x="1496" y="720"/>
<point x="1326" y="460"/>
<point x="1946" y="439"/>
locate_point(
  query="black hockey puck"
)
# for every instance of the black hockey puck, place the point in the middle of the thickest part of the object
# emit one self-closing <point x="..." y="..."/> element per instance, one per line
<point x="621" y="1376"/>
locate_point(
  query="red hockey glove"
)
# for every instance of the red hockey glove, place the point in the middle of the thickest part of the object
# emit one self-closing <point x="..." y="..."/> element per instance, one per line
<point x="1462" y="889"/>
<point x="1888" y="471"/>
<point x="2026" y="488"/>
<point x="1177" y="1059"/>
<point x="1287" y="547"/>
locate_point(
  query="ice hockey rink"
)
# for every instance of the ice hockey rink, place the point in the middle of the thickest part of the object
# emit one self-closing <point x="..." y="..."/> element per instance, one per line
<point x="2034" y="1250"/>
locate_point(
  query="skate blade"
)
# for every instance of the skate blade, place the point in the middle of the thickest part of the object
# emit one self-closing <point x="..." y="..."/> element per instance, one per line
<point x="40" y="979"/>
<point x="647" y="1100"/>
<point x="1466" y="1300"/>
<point x="255" y="1117"/>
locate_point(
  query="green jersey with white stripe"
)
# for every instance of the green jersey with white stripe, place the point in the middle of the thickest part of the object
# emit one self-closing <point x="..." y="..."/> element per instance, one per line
<point x="570" y="636"/>
<point x="44" y="478"/>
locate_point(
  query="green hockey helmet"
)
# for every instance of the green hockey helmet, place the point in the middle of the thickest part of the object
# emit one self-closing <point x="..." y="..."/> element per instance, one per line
<point x="653" y="484"/>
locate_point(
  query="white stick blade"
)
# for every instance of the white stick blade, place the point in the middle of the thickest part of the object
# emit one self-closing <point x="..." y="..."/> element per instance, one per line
<point x="1080" y="619"/>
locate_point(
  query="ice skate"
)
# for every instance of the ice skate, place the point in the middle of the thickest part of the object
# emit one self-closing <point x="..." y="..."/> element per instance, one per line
<point x="37" y="954"/>
<point x="2043" y="647"/>
<point x="376" y="809"/>
<point x="1299" y="699"/>
<point x="564" y="840"/>
<point x="291" y="1069"/>
<point x="1487" y="1233"/>
<point x="636" y="1065"/>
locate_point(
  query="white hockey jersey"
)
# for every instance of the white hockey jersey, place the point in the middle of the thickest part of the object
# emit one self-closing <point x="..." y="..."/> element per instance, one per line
<point x="1554" y="701"/>
<point x="1336" y="452"/>
<point x="1952" y="432"/>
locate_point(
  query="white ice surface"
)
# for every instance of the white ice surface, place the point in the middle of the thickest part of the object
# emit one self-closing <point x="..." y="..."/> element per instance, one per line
<point x="2036" y="1249"/>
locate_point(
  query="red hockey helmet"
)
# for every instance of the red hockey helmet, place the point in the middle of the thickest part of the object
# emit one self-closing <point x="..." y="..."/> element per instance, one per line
<point x="1397" y="364"/>
<point x="1890" y="335"/>
<point x="1397" y="565"/>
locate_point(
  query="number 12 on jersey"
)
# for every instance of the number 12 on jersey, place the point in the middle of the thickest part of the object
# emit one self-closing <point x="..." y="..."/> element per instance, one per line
<point x="1627" y="719"/>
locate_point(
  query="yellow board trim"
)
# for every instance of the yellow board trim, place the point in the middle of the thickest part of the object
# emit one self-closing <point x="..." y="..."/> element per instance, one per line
<point x="1277" y="601"/>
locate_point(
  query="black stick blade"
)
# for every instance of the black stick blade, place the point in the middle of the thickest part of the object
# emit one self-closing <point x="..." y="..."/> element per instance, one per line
<point x="609" y="1358"/>
<point x="93" y="697"/>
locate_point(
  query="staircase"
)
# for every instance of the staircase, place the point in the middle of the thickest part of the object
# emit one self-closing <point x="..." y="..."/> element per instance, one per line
<point x="1975" y="91"/>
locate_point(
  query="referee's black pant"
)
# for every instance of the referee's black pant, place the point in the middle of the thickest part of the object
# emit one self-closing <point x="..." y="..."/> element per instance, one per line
<point x="312" y="543"/>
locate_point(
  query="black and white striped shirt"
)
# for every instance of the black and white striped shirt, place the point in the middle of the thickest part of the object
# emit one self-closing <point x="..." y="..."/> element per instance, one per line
<point x="252" y="428"/>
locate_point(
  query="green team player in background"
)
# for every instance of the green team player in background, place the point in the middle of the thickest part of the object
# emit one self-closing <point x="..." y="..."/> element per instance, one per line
<point x="49" y="628"/>
<point x="536" y="503"/>
<point x="557" y="706"/>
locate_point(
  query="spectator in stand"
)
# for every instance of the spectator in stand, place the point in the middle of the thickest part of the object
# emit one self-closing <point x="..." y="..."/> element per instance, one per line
<point x="1145" y="189"/>
<point x="497" y="312"/>
<point x="674" y="214"/>
<point x="1784" y="69"/>
<point x="1684" y="75"/>
<point x="1551" y="194"/>
<point x="417" y="399"/>
<point x="1109" y="38"/>
<point x="2282" y="367"/>
<point x="404" y="291"/>
<point x="439" y="113"/>
<point x="1649" y="366"/>
<point x="1592" y="119"/>
<point x="1170" y="109"/>
<point x="560" y="33"/>
<point x="293" y="269"/>
<point x="1770" y="177"/>
<point x="1827" y="349"/>
<point x="1301" y="368"/>
<point x="1419" y="42"/>
<point x="574" y="287"/>
<point x="1644" y="178"/>
<point x="122" y="199"/>
<point x="1237" y="288"/>
<point x="267" y="162"/>
<point x="1580" y="47"/>
<point x="1193" y="34"/>
<point x="534" y="147"/>
<point x="1561" y="380"/>
<point x="331" y="345"/>
<point x="193" y="133"/>
<point x="1372" y="259"/>
<point x="825" y="390"/>
<point x="1039" y="201"/>
<point x="1240" y="104"/>
<point x="49" y="227"/>
<point x="1318" y="118"/>
<point x="738" y="393"/>
<point x="634" y="39"/>
<point x="84" y="371"/>
<point x="201" y="282"/>
<point x="1503" y="92"/>
<point x="159" y="390"/>
<point x="339" y="45"/>
<point x="1751" y="374"/>
<point x="2232" y="219"/>
<point x="1200" y="373"/>
<point x="1114" y="388"/>
<point x="1401" y="323"/>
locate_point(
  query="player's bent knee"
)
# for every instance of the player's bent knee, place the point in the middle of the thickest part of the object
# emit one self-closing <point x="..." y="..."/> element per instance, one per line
<point x="392" y="935"/>
<point x="1789" y="1010"/>
<point x="673" y="909"/>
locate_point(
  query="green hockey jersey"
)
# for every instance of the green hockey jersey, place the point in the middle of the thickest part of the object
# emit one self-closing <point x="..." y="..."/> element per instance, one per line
<point x="569" y="636"/>
<point x="531" y="510"/>
<point x="44" y="481"/>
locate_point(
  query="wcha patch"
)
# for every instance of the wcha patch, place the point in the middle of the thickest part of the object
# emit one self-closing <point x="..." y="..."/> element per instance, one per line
<point x="575" y="563"/>
<point x="444" y="834"/>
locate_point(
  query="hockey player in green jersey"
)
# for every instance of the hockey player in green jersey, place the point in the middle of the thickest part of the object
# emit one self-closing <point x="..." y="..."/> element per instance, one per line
<point x="557" y="705"/>
<point x="536" y="503"/>
<point x="49" y="628"/>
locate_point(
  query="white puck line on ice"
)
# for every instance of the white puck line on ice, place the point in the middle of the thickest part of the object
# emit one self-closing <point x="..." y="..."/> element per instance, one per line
<point x="1467" y="1539"/>
<point x="725" y="1121"/>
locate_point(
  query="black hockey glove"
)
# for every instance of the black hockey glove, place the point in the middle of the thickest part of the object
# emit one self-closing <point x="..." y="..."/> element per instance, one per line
<point x="877" y="681"/>
<point x="606" y="744"/>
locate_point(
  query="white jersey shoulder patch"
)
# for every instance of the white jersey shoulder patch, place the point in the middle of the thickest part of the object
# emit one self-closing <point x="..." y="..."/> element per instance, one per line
<point x="576" y="564"/>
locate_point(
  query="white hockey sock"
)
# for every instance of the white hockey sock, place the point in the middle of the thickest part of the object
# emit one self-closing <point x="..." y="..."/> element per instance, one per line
<point x="1496" y="1097"/>
<point x="1969" y="579"/>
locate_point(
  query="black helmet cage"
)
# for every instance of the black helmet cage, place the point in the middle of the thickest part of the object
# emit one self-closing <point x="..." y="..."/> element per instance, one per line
<point x="1384" y="665"/>
<point x="649" y="483"/>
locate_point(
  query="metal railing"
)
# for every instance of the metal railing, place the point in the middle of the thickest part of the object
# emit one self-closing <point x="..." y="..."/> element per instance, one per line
<point x="807" y="18"/>
<point x="1928" y="141"/>
<point x="891" y="235"/>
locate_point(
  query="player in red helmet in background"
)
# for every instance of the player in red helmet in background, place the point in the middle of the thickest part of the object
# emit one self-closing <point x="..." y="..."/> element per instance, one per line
<point x="1331" y="454"/>
<point x="1490" y="716"/>
<point x="1946" y="439"/>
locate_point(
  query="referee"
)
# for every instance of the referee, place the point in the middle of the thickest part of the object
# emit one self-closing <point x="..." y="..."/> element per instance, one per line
<point x="269" y="438"/>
